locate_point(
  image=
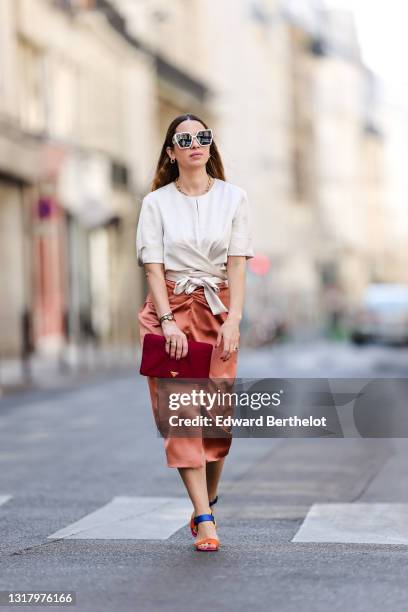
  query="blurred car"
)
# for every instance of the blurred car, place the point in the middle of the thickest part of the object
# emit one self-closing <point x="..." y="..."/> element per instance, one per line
<point x="382" y="315"/>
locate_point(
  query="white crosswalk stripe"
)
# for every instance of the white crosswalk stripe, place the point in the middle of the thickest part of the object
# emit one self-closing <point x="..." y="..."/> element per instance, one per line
<point x="131" y="518"/>
<point x="157" y="518"/>
<point x="363" y="523"/>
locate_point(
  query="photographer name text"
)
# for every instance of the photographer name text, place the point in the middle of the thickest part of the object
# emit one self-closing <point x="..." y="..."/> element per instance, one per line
<point x="260" y="421"/>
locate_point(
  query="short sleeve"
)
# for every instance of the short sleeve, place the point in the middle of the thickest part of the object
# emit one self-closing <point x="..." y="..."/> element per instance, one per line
<point x="149" y="234"/>
<point x="241" y="233"/>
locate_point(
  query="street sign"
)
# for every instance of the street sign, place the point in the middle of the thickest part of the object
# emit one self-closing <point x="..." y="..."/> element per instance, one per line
<point x="259" y="265"/>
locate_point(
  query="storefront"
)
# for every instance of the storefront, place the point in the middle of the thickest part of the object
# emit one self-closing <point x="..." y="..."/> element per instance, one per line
<point x="19" y="172"/>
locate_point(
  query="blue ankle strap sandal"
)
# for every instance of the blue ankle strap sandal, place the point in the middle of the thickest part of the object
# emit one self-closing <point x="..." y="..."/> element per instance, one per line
<point x="206" y="544"/>
<point x="214" y="501"/>
<point x="203" y="517"/>
<point x="192" y="524"/>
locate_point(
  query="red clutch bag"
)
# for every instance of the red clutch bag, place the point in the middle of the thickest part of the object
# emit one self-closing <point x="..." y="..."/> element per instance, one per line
<point x="156" y="362"/>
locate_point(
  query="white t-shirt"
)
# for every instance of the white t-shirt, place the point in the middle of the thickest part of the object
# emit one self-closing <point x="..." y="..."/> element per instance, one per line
<point x="193" y="235"/>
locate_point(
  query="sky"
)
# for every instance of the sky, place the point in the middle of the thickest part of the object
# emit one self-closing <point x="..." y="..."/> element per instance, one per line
<point x="381" y="26"/>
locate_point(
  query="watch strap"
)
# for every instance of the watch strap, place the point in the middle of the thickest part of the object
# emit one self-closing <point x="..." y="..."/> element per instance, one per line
<point x="169" y="316"/>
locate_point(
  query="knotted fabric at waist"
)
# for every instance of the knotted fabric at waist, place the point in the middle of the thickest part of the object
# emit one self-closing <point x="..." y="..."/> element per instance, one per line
<point x="187" y="282"/>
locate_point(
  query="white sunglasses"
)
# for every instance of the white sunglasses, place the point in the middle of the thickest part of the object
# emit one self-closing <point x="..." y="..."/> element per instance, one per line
<point x="185" y="139"/>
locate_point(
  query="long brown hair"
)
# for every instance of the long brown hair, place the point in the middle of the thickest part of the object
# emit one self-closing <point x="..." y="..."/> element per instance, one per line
<point x="166" y="172"/>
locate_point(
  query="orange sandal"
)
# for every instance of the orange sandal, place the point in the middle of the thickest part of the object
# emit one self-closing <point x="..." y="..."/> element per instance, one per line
<point x="208" y="544"/>
<point x="192" y="524"/>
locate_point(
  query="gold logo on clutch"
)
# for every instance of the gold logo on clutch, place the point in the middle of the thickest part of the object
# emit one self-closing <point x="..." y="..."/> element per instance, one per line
<point x="173" y="373"/>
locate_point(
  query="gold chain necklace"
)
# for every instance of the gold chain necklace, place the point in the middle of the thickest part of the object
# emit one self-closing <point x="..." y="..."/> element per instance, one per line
<point x="188" y="194"/>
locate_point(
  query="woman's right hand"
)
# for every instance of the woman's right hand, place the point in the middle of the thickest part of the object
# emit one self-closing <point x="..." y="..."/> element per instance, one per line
<point x="178" y="347"/>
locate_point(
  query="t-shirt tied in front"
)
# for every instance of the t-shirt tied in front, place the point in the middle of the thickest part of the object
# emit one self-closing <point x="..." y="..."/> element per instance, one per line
<point x="193" y="236"/>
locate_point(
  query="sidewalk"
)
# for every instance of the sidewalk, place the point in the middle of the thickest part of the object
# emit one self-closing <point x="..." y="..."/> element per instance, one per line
<point x="74" y="365"/>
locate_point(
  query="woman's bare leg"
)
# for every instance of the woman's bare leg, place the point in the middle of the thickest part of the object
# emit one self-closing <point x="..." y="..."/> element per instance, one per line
<point x="214" y="470"/>
<point x="195" y="480"/>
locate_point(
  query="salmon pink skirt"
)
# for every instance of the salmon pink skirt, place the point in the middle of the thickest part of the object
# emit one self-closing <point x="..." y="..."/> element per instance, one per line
<point x="194" y="317"/>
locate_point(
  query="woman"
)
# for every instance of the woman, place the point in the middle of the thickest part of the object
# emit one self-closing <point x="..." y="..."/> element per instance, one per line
<point x="193" y="239"/>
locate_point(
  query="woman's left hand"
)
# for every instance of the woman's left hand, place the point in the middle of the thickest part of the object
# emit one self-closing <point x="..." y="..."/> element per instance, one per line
<point x="229" y="331"/>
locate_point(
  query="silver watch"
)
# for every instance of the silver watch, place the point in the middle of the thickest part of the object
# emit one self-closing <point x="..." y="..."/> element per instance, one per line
<point x="169" y="316"/>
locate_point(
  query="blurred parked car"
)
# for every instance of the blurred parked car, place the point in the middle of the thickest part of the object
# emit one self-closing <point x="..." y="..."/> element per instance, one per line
<point x="382" y="315"/>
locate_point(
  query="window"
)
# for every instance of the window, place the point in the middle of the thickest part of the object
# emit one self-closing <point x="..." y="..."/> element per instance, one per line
<point x="32" y="93"/>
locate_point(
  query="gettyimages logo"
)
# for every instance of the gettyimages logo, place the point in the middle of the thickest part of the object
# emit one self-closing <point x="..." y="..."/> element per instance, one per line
<point x="290" y="407"/>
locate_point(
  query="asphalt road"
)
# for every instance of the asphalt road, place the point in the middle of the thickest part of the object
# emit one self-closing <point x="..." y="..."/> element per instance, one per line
<point x="310" y="524"/>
